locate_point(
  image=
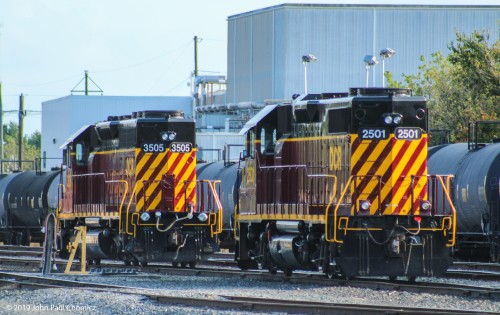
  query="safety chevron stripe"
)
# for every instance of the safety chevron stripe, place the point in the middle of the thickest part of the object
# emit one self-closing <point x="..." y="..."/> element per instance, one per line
<point x="150" y="168"/>
<point x="387" y="166"/>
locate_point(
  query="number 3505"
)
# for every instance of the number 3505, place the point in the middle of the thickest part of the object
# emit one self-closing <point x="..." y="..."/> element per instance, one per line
<point x="181" y="147"/>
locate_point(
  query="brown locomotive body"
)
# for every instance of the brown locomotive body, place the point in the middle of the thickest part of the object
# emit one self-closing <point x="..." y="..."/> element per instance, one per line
<point x="131" y="181"/>
<point x="339" y="182"/>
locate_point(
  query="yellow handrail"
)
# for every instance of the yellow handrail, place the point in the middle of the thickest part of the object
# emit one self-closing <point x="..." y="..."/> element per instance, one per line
<point x="445" y="190"/>
<point x="327" y="238"/>
<point x="220" y="211"/>
<point x="121" y="203"/>
<point x="128" y="208"/>
<point x="59" y="206"/>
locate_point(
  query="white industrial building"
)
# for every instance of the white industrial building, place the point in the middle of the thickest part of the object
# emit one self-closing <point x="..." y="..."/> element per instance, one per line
<point x="62" y="117"/>
<point x="265" y="49"/>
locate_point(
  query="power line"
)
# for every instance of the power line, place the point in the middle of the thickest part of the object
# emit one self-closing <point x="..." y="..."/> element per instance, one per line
<point x="145" y="61"/>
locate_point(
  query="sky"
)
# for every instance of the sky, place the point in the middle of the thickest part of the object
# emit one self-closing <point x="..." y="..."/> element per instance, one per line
<point x="129" y="48"/>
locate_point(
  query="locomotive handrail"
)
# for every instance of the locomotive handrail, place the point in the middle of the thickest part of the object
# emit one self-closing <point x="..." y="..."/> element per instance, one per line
<point x="445" y="188"/>
<point x="59" y="200"/>
<point x="310" y="174"/>
<point x="452" y="206"/>
<point x="123" y="200"/>
<point x="342" y="196"/>
<point x="128" y="208"/>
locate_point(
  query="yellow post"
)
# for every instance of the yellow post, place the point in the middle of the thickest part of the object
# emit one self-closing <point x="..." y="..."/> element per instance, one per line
<point x="81" y="238"/>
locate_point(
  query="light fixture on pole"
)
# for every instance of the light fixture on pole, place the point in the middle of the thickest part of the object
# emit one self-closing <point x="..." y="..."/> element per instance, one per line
<point x="385" y="53"/>
<point x="305" y="60"/>
<point x="370" y="61"/>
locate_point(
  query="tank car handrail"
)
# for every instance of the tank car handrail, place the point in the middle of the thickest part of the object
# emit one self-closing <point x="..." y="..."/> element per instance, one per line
<point x="220" y="211"/>
<point x="218" y="223"/>
<point x="121" y="203"/>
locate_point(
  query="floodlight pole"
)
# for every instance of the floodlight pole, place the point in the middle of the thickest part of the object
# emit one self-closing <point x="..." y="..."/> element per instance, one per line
<point x="383" y="72"/>
<point x="305" y="77"/>
<point x="367" y="74"/>
<point x="305" y="60"/>
<point x="385" y="53"/>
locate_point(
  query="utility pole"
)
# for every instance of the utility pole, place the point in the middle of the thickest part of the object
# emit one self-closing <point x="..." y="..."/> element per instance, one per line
<point x="195" y="56"/>
<point x="86" y="90"/>
<point x="1" y="130"/>
<point x="86" y="82"/>
<point x="21" y="130"/>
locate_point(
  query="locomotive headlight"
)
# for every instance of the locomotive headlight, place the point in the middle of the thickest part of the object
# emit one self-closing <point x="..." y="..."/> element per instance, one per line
<point x="364" y="205"/>
<point x="396" y="120"/>
<point x="202" y="217"/>
<point x="145" y="216"/>
<point x="425" y="205"/>
<point x="388" y="120"/>
<point x="168" y="135"/>
<point x="158" y="214"/>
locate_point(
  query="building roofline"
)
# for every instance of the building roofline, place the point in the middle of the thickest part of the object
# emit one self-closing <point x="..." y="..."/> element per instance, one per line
<point x="364" y="6"/>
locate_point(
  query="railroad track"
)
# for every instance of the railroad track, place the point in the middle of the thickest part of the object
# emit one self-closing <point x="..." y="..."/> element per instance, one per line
<point x="206" y="268"/>
<point x="115" y="268"/>
<point x="224" y="301"/>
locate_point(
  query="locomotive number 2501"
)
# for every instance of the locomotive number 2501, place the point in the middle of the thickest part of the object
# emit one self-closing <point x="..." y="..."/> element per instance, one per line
<point x="408" y="133"/>
<point x="373" y="133"/>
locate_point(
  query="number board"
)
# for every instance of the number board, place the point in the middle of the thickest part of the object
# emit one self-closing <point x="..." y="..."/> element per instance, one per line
<point x="408" y="133"/>
<point x="153" y="147"/>
<point x="181" y="147"/>
<point x="373" y="133"/>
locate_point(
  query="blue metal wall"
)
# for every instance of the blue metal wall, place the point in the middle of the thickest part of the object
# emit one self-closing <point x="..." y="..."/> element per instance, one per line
<point x="265" y="46"/>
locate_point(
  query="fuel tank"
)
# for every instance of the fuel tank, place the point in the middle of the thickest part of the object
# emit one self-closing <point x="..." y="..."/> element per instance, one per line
<point x="230" y="182"/>
<point x="476" y="183"/>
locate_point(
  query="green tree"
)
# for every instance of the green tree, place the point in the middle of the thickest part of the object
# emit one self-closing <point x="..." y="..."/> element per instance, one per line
<point x="31" y="150"/>
<point x="462" y="87"/>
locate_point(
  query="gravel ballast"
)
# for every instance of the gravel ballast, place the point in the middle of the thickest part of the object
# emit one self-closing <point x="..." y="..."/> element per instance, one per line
<point x="78" y="301"/>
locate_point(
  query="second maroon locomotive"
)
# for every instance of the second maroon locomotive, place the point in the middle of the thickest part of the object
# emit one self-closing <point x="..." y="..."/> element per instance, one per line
<point x="339" y="182"/>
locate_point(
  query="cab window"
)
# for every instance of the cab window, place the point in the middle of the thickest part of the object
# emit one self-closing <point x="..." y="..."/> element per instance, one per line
<point x="80" y="154"/>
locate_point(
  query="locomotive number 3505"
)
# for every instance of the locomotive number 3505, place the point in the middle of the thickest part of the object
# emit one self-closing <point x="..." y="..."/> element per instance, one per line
<point x="181" y="147"/>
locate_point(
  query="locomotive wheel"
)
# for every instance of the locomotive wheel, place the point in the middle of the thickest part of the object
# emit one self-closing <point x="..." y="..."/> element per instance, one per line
<point x="192" y="264"/>
<point x="412" y="279"/>
<point x="175" y="264"/>
<point x="143" y="263"/>
<point x="273" y="270"/>
<point x="11" y="238"/>
<point x="287" y="272"/>
<point x="127" y="262"/>
<point x="247" y="264"/>
<point x="183" y="264"/>
<point x="393" y="278"/>
<point x="330" y="273"/>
